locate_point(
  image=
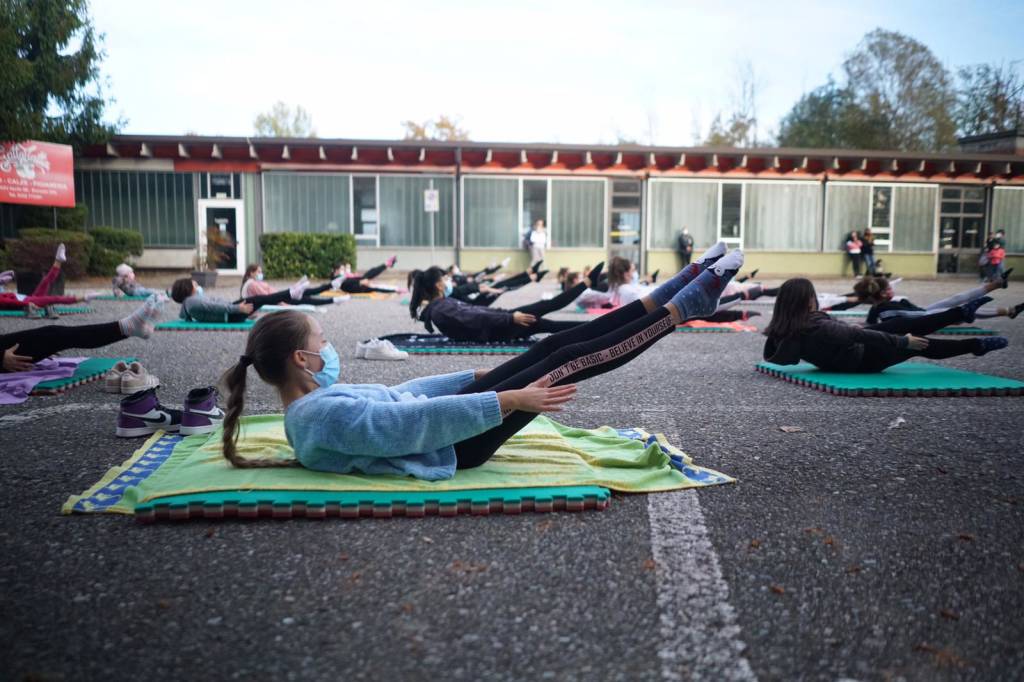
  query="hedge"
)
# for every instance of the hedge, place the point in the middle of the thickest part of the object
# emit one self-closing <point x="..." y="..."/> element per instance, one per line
<point x="291" y="254"/>
<point x="111" y="247"/>
<point x="35" y="247"/>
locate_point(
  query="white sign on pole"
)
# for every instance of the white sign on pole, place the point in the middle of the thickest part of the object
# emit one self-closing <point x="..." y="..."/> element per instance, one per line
<point x="431" y="200"/>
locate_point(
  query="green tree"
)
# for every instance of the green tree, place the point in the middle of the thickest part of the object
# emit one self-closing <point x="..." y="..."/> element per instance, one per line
<point x="990" y="98"/>
<point x="830" y="117"/>
<point x="899" y="82"/>
<point x="50" y="85"/>
<point x="444" y="128"/>
<point x="740" y="128"/>
<point x="281" y="121"/>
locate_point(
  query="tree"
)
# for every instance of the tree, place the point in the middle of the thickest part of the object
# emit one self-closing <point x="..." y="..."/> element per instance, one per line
<point x="444" y="128"/>
<point x="830" y="117"/>
<point x="50" y="86"/>
<point x="990" y="98"/>
<point x="281" y="121"/>
<point x="740" y="129"/>
<point x="899" y="82"/>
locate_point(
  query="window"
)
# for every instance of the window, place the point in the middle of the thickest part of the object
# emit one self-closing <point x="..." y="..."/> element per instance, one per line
<point x="676" y="204"/>
<point x="914" y="222"/>
<point x="1008" y="215"/>
<point x="306" y="202"/>
<point x="578" y="212"/>
<point x="364" y="208"/>
<point x="535" y="203"/>
<point x="730" y="220"/>
<point x="403" y="219"/>
<point x="781" y="215"/>
<point x="491" y="209"/>
<point x="881" y="216"/>
<point x="160" y="205"/>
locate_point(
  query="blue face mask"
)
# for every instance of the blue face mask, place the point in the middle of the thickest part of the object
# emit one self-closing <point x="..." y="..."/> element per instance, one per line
<point x="328" y="374"/>
<point x="636" y="277"/>
<point x="199" y="290"/>
<point x="259" y="276"/>
<point x="448" y="288"/>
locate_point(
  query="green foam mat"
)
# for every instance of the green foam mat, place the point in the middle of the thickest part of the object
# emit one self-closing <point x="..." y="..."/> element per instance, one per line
<point x="188" y="325"/>
<point x="847" y="313"/>
<point x="917" y="379"/>
<point x="966" y="331"/>
<point x="61" y="310"/>
<point x="680" y="329"/>
<point x="286" y="504"/>
<point x="89" y="371"/>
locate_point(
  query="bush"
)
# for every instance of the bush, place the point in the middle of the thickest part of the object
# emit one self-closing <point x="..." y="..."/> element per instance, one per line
<point x="290" y="254"/>
<point x="128" y="242"/>
<point x="67" y="218"/>
<point x="33" y="250"/>
<point x="111" y="247"/>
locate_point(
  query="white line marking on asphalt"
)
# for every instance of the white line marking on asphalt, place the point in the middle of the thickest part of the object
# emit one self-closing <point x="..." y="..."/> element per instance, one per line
<point x="700" y="639"/>
<point x="12" y="420"/>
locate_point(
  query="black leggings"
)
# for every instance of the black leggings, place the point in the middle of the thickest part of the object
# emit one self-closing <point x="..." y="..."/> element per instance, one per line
<point x="513" y="282"/>
<point x="876" y="358"/>
<point x="42" y="342"/>
<point x="541" y="308"/>
<point x="592" y="348"/>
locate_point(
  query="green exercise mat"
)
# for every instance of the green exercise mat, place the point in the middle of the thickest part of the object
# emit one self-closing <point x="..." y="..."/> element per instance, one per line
<point x="547" y="466"/>
<point x="90" y="370"/>
<point x="60" y="309"/>
<point x="847" y="313"/>
<point x="966" y="331"/>
<point x="188" y="325"/>
<point x="111" y="297"/>
<point x="906" y="379"/>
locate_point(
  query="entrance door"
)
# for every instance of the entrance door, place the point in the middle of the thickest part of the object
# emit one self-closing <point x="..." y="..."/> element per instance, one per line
<point x="223" y="222"/>
<point x="624" y="231"/>
<point x="961" y="229"/>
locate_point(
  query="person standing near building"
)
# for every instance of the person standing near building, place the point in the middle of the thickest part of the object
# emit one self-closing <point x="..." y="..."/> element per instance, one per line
<point x="867" y="250"/>
<point x="684" y="247"/>
<point x="538" y="242"/>
<point x="853" y="251"/>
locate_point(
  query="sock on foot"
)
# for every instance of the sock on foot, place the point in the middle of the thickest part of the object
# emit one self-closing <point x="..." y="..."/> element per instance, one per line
<point x="137" y="324"/>
<point x="62" y="254"/>
<point x="700" y="297"/>
<point x="971" y="307"/>
<point x="1006" y="278"/>
<point x="990" y="343"/>
<point x="153" y="307"/>
<point x="1015" y="311"/>
<point x="299" y="288"/>
<point x="678" y="282"/>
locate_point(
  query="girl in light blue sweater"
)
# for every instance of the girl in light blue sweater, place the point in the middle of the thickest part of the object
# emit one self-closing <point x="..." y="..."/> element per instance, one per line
<point x="432" y="426"/>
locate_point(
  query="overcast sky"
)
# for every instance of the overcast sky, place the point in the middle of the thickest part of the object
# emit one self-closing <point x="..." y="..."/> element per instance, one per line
<point x="552" y="71"/>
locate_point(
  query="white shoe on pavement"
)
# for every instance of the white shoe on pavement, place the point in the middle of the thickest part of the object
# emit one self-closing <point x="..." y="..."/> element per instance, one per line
<point x="385" y="350"/>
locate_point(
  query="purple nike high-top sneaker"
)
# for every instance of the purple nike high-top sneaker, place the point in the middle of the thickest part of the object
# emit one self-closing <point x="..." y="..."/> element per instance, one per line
<point x="142" y="414"/>
<point x="201" y="412"/>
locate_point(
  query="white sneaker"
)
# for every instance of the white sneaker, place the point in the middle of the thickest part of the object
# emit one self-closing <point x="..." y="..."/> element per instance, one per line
<point x="336" y="283"/>
<point x="505" y="261"/>
<point x="363" y="346"/>
<point x="112" y="379"/>
<point x="385" y="350"/>
<point x="341" y="299"/>
<point x="136" y="378"/>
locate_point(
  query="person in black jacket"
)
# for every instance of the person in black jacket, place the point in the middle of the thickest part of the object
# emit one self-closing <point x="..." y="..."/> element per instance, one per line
<point x="879" y="294"/>
<point x="464" y="322"/>
<point x="799" y="331"/>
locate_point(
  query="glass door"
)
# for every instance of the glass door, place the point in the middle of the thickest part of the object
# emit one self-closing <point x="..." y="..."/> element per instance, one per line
<point x="624" y="230"/>
<point x="961" y="229"/>
<point x="223" y="225"/>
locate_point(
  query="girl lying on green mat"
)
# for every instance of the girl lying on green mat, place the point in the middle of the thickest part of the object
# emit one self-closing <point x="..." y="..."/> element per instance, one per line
<point x="799" y="331"/>
<point x="429" y="427"/>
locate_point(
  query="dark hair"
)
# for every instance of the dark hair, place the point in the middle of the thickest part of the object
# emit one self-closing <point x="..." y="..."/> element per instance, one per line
<point x="572" y="279"/>
<point x="791" y="308"/>
<point x="250" y="272"/>
<point x="270" y="343"/>
<point x="871" y="288"/>
<point x="424" y="288"/>
<point x="618" y="268"/>
<point x="411" y="277"/>
<point x="181" y="289"/>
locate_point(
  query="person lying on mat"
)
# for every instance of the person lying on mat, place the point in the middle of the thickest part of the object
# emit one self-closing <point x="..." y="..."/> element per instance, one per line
<point x="799" y="331"/>
<point x="196" y="306"/>
<point x="253" y="286"/>
<point x="479" y="293"/>
<point x="40" y="298"/>
<point x="464" y="322"/>
<point x="458" y="277"/>
<point x="21" y="349"/>
<point x="125" y="284"/>
<point x="342" y="278"/>
<point x="430" y="427"/>
<point x="624" y="283"/>
<point x="878" y="292"/>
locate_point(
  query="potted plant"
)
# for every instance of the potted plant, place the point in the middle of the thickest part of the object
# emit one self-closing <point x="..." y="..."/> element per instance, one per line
<point x="211" y="252"/>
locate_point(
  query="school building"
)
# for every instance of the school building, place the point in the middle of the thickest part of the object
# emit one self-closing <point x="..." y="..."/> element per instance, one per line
<point x="790" y="209"/>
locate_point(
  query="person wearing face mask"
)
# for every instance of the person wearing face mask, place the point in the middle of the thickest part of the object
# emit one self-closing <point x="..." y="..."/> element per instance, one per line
<point x="431" y="303"/>
<point x="254" y="286"/>
<point x="430" y="427"/>
<point x="624" y="283"/>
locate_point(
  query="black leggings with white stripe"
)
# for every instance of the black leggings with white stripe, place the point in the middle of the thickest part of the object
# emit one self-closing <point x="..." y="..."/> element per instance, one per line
<point x="569" y="356"/>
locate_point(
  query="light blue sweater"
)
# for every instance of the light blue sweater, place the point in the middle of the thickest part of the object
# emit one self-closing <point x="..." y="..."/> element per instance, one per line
<point x="407" y="429"/>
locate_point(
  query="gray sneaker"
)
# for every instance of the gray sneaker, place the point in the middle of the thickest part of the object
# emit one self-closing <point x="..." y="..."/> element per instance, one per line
<point x="136" y="379"/>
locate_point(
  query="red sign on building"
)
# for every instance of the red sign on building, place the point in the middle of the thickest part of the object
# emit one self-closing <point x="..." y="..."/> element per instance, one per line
<point x="37" y="173"/>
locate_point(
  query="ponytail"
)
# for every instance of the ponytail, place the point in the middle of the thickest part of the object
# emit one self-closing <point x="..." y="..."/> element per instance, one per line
<point x="271" y="342"/>
<point x="416" y="293"/>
